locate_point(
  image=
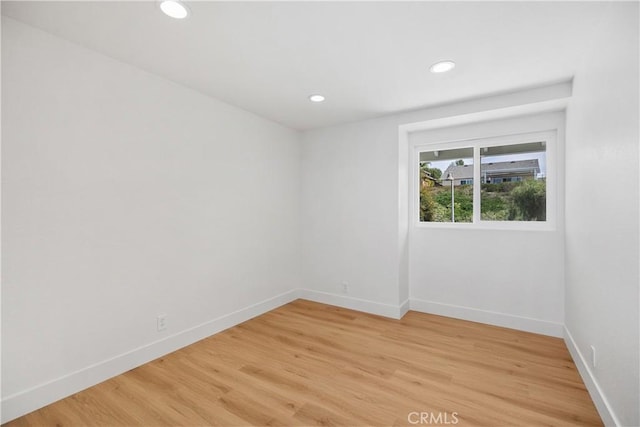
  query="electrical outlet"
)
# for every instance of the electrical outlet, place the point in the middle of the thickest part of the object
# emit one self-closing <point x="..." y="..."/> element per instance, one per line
<point x="345" y="287"/>
<point x="593" y="356"/>
<point x="162" y="322"/>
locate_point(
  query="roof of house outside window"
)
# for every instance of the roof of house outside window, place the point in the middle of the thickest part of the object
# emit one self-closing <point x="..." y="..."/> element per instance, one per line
<point x="494" y="168"/>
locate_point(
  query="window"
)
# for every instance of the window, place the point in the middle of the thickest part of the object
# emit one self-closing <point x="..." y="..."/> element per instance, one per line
<point x="513" y="175"/>
<point x="446" y="185"/>
<point x="514" y="185"/>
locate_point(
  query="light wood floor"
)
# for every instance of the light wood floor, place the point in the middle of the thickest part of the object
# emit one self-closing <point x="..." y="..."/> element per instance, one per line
<point x="309" y="364"/>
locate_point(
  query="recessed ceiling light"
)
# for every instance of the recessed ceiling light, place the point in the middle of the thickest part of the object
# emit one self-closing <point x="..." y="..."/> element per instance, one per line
<point x="442" y="67"/>
<point x="174" y="9"/>
<point x="316" y="98"/>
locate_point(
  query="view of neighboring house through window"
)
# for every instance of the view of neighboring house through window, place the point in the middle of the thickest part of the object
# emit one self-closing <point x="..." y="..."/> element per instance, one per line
<point x="513" y="182"/>
<point x="446" y="185"/>
<point x="510" y="184"/>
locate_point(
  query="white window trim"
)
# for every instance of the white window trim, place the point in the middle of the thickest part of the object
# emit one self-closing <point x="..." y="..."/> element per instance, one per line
<point x="551" y="139"/>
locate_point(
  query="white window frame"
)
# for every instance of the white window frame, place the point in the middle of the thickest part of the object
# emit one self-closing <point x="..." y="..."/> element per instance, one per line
<point x="551" y="146"/>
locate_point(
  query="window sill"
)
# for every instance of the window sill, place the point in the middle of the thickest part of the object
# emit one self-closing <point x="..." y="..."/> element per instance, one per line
<point x="488" y="225"/>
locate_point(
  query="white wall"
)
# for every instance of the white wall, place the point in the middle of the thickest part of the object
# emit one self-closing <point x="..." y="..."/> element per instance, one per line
<point x="125" y="196"/>
<point x="512" y="278"/>
<point x="351" y="212"/>
<point x="602" y="277"/>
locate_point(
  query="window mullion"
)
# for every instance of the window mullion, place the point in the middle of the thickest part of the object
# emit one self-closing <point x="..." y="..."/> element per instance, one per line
<point x="476" y="184"/>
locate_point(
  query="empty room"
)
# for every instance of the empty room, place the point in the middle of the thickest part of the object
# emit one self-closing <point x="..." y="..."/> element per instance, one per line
<point x="302" y="213"/>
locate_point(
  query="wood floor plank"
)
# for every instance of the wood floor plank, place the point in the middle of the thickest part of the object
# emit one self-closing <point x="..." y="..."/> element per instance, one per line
<point x="313" y="364"/>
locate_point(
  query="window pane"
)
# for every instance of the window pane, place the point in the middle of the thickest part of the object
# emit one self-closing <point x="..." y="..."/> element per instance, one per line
<point x="513" y="182"/>
<point x="446" y="176"/>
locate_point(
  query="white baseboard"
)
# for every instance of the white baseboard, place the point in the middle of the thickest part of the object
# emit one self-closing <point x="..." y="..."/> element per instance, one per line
<point x="489" y="317"/>
<point x="367" y="306"/>
<point x="602" y="404"/>
<point x="29" y="400"/>
<point x="404" y="307"/>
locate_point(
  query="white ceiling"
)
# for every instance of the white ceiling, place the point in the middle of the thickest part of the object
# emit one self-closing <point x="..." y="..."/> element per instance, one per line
<point x="367" y="58"/>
